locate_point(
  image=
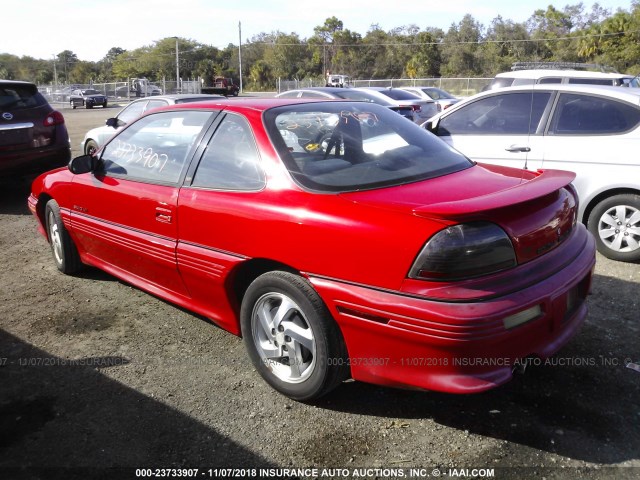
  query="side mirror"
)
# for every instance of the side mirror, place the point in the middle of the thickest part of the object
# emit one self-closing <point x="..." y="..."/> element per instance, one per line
<point x="431" y="125"/>
<point x="83" y="164"/>
<point x="114" y="122"/>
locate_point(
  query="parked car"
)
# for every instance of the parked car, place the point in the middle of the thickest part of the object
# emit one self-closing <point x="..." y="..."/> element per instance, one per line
<point x="406" y="111"/>
<point x="564" y="76"/>
<point x="591" y="130"/>
<point x="139" y="88"/>
<point x="33" y="136"/>
<point x="88" y="98"/>
<point x="386" y="256"/>
<point x="96" y="137"/>
<point x="442" y="99"/>
<point x="423" y="108"/>
<point x="62" y="94"/>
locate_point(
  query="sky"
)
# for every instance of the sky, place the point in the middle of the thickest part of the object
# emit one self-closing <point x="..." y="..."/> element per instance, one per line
<point x="89" y="28"/>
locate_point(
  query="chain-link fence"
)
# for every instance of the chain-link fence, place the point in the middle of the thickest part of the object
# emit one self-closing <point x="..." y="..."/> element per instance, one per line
<point x="460" y="87"/>
<point x="59" y="95"/>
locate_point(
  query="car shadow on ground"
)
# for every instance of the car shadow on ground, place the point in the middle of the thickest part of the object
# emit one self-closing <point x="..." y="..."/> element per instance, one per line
<point x="78" y="423"/>
<point x="583" y="403"/>
<point x="13" y="196"/>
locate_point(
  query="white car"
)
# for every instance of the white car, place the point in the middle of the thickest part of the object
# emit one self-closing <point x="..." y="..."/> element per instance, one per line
<point x="593" y="131"/>
<point x="546" y="76"/>
<point x="96" y="137"/>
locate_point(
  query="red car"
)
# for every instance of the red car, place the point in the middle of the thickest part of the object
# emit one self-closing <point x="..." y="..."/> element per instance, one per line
<point x="337" y="238"/>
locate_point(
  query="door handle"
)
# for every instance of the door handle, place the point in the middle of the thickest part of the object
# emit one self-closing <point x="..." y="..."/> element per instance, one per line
<point x="164" y="215"/>
<point x="518" y="148"/>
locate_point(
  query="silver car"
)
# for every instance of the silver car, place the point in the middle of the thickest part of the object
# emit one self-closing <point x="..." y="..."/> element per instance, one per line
<point x="442" y="98"/>
<point x="423" y="108"/>
<point x="96" y="137"/>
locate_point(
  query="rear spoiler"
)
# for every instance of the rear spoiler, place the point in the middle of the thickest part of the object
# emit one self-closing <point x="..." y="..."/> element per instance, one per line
<point x="546" y="182"/>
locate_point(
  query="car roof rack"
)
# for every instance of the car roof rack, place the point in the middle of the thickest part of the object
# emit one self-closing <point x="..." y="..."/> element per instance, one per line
<point x="562" y="66"/>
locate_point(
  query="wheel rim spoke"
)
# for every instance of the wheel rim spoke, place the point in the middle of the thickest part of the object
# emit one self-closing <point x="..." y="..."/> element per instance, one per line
<point x="617" y="242"/>
<point x="606" y="233"/>
<point x="299" y="335"/>
<point x="283" y="311"/>
<point x="609" y="220"/>
<point x="632" y="243"/>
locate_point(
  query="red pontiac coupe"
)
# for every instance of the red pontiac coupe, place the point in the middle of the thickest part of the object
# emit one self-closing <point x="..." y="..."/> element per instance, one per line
<point x="339" y="239"/>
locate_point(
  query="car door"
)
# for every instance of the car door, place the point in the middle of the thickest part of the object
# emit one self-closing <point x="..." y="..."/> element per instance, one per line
<point x="124" y="214"/>
<point x="218" y="209"/>
<point x="595" y="137"/>
<point x="502" y="128"/>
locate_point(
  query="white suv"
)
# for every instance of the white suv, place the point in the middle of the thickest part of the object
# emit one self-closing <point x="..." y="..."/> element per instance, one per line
<point x="546" y="76"/>
<point x="593" y="131"/>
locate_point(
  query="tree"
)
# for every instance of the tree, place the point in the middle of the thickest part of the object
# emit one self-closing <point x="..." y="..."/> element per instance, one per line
<point x="460" y="48"/>
<point x="551" y="30"/>
<point x="505" y="42"/>
<point x="65" y="61"/>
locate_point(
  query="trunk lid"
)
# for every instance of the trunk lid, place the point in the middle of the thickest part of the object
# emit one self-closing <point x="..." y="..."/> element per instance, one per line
<point x="537" y="209"/>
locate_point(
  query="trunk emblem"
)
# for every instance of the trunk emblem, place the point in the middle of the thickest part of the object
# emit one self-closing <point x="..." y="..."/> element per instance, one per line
<point x="7" y="116"/>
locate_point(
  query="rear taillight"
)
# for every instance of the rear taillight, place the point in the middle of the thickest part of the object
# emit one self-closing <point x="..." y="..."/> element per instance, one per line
<point x="54" y="118"/>
<point x="416" y="108"/>
<point x="464" y="251"/>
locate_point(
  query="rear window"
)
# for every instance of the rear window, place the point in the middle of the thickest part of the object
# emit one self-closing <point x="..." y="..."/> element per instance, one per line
<point x="398" y="94"/>
<point x="347" y="146"/>
<point x="16" y="96"/>
<point x="501" y="82"/>
<point x="349" y="94"/>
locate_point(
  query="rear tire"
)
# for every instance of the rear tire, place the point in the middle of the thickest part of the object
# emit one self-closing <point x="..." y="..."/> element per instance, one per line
<point x="65" y="253"/>
<point x="291" y="337"/>
<point x="615" y="224"/>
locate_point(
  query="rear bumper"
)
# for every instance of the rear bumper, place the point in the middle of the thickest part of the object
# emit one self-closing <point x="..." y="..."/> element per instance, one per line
<point x="462" y="346"/>
<point x="37" y="160"/>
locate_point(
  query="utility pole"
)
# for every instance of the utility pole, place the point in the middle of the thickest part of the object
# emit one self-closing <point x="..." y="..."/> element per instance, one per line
<point x="177" y="67"/>
<point x="240" y="53"/>
<point x="55" y="73"/>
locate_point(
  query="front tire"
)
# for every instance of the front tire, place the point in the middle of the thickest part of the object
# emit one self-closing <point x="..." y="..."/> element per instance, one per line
<point x="65" y="253"/>
<point x="615" y="224"/>
<point x="90" y="147"/>
<point x="292" y="340"/>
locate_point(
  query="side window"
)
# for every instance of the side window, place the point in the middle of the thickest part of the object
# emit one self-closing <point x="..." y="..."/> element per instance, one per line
<point x="550" y="80"/>
<point x="155" y="148"/>
<point x="231" y="160"/>
<point x="155" y="104"/>
<point x="506" y="114"/>
<point x="577" y="114"/>
<point x="591" y="81"/>
<point x="133" y="111"/>
<point x="293" y="94"/>
<point x="312" y="95"/>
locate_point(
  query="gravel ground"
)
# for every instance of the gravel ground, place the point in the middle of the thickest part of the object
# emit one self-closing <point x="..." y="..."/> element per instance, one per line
<point x="96" y="374"/>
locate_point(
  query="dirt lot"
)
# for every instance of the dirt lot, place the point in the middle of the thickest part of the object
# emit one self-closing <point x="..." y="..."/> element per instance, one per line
<point x="96" y="374"/>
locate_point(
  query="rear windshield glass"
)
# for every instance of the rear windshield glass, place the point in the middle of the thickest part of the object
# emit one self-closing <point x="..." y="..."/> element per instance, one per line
<point x="398" y="94"/>
<point x="349" y="94"/>
<point x="346" y="146"/>
<point x="18" y="96"/>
